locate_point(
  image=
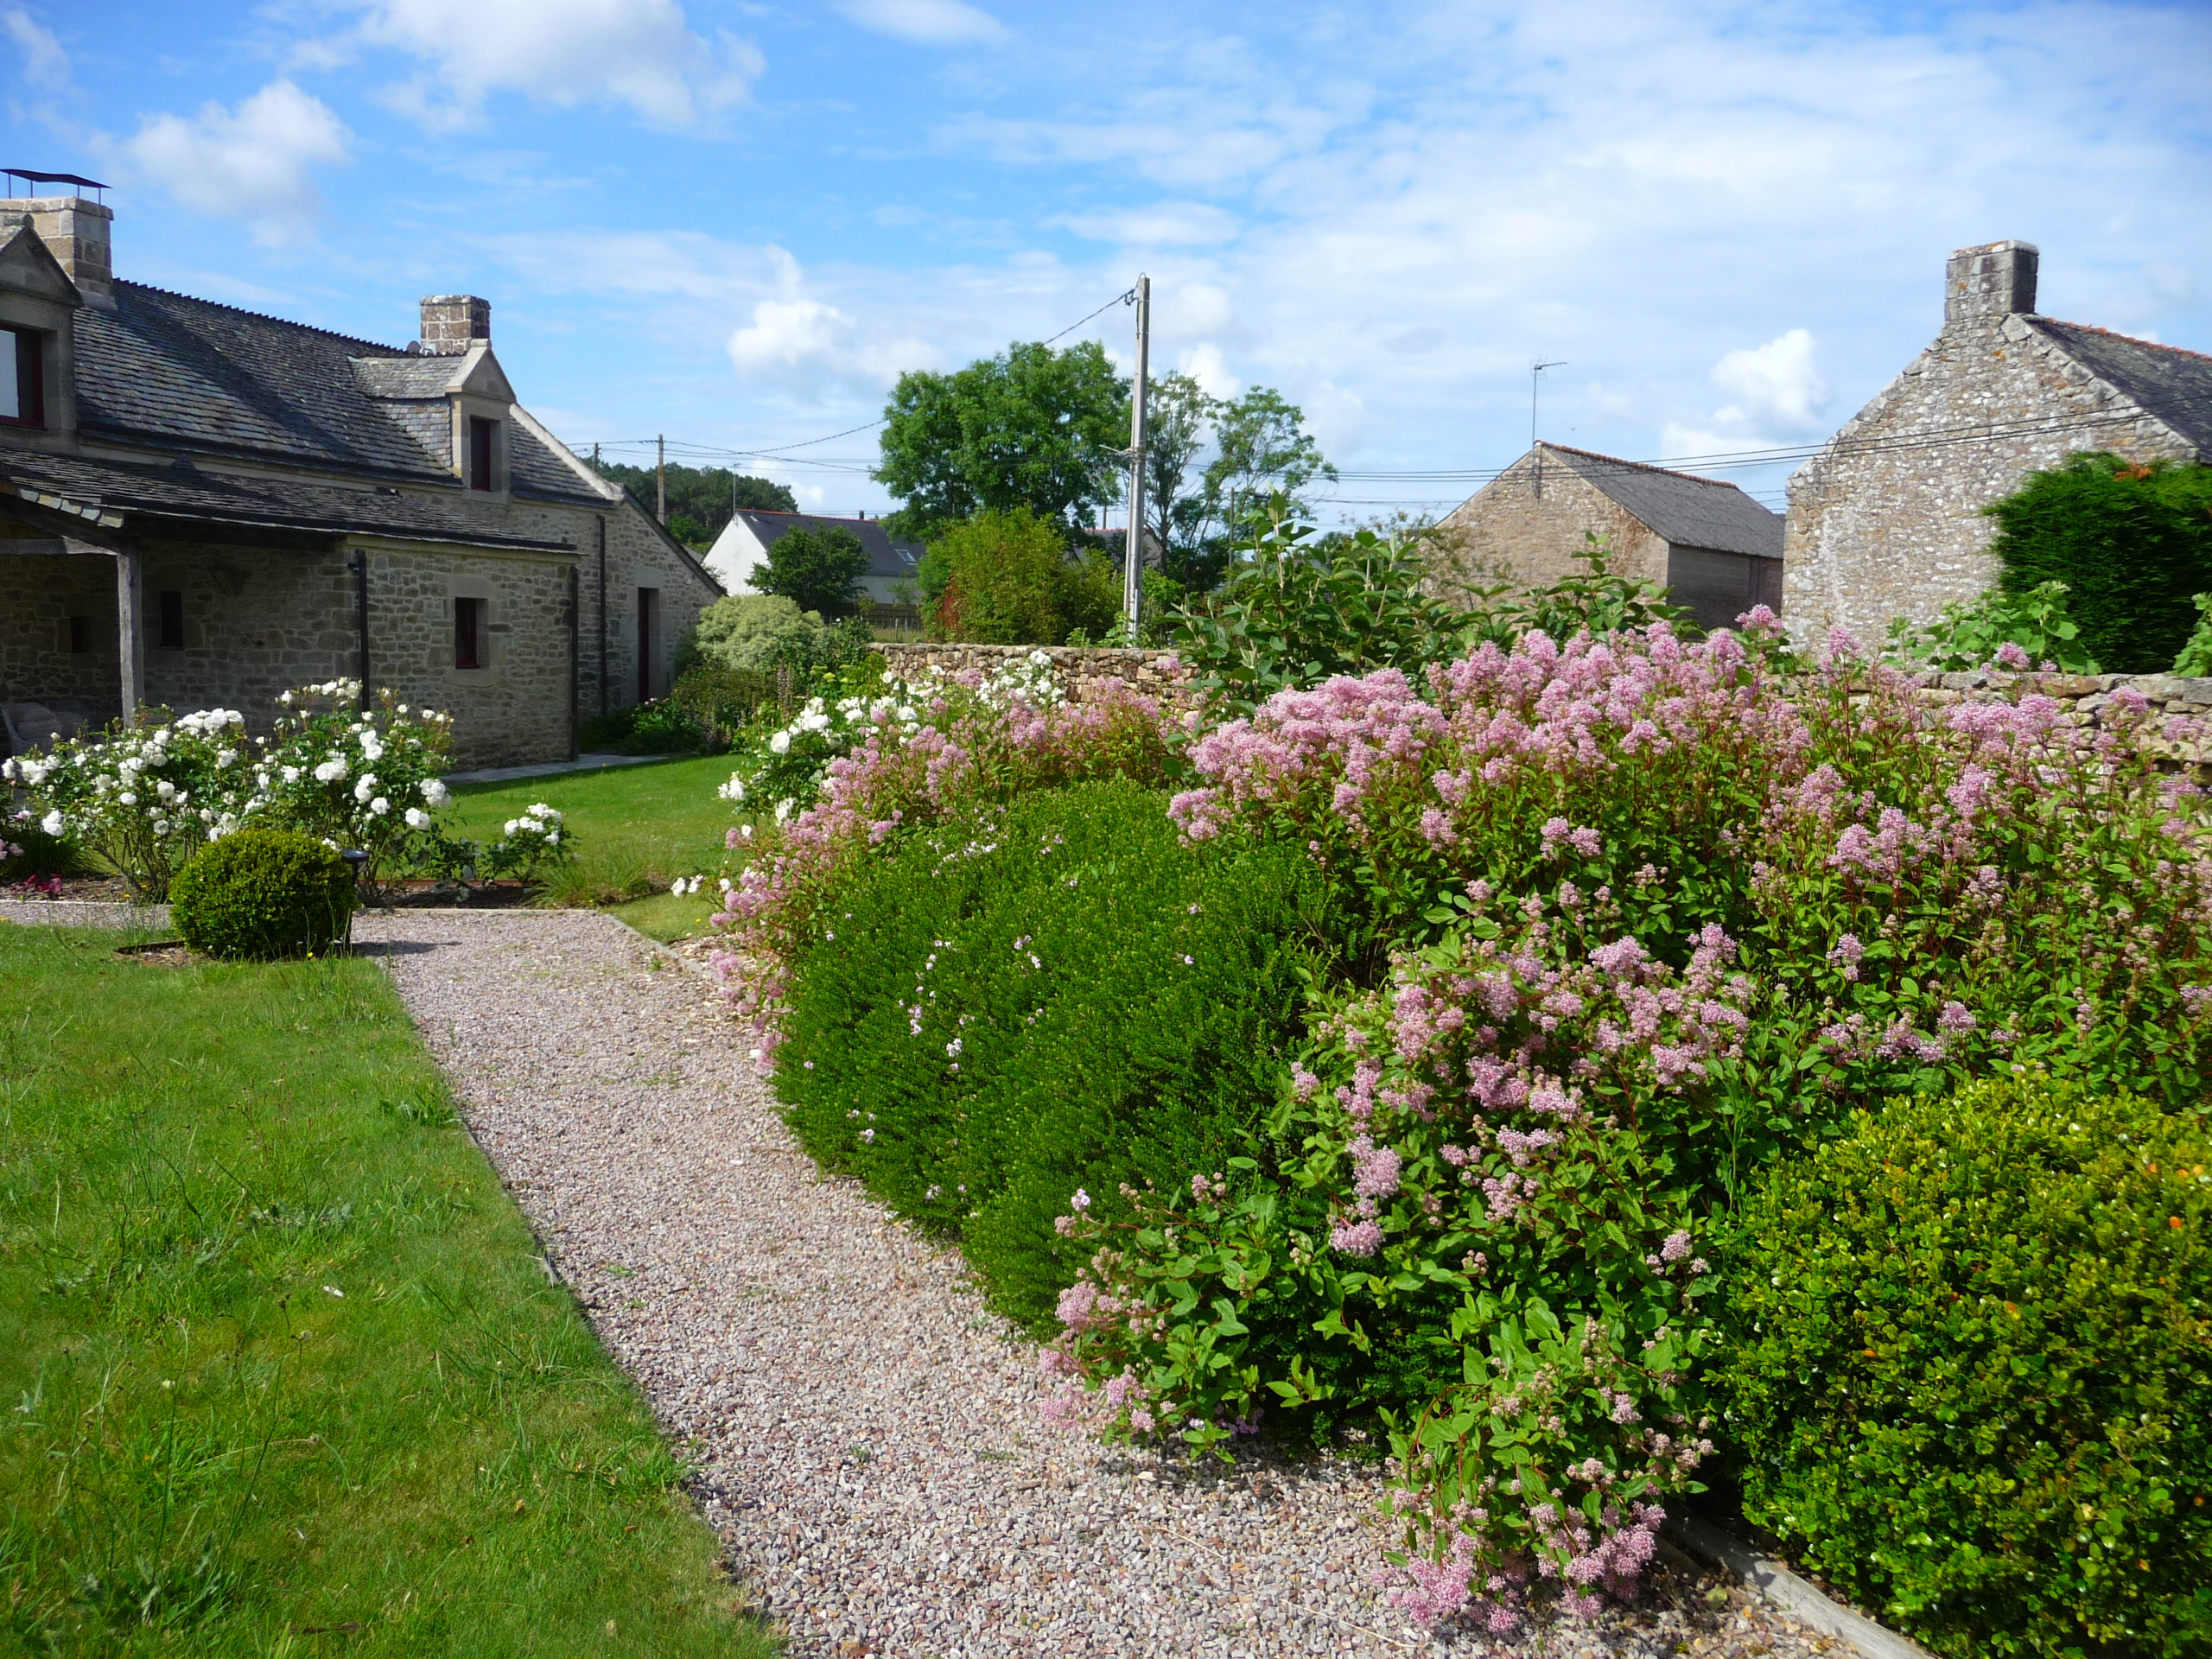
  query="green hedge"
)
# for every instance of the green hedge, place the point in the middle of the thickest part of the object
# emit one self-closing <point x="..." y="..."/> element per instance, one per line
<point x="1122" y="1006"/>
<point x="2132" y="544"/>
<point x="1973" y="1370"/>
<point x="262" y="894"/>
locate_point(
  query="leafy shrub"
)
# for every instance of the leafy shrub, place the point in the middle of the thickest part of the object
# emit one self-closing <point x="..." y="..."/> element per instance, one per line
<point x="262" y="894"/>
<point x="1996" y="628"/>
<point x="532" y="846"/>
<point x="2132" y="543"/>
<point x="721" y="701"/>
<point x="2195" y="657"/>
<point x="1652" y="918"/>
<point x="753" y="631"/>
<point x="1974" y="1371"/>
<point x="143" y="796"/>
<point x="28" y="852"/>
<point x="371" y="779"/>
<point x="1007" y="579"/>
<point x="1052" y="996"/>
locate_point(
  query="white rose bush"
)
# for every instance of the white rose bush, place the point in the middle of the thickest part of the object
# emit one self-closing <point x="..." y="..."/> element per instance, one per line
<point x="145" y="797"/>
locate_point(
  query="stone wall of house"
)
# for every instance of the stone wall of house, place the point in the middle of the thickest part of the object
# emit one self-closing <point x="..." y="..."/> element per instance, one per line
<point x="1888" y="522"/>
<point x="1525" y="529"/>
<point x="1081" y="672"/>
<point x="39" y="594"/>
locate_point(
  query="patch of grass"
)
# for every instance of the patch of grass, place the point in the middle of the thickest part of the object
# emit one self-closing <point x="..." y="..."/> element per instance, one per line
<point x="286" y="1373"/>
<point x="667" y="918"/>
<point x="637" y="828"/>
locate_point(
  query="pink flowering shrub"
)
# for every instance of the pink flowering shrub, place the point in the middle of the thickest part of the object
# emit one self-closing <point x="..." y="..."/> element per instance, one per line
<point x="1646" y="918"/>
<point x="971" y="745"/>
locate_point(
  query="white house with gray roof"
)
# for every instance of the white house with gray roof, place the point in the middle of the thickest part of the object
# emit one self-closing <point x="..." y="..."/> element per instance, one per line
<point x="204" y="506"/>
<point x="1716" y="550"/>
<point x="893" y="567"/>
<point x="1886" y="520"/>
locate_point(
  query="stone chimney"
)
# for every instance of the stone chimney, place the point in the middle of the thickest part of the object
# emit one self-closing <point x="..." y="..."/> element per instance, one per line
<point x="75" y="233"/>
<point x="1994" y="280"/>
<point x="454" y="323"/>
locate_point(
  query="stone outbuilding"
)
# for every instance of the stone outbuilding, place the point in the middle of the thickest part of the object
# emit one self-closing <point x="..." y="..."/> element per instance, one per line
<point x="1886" y="519"/>
<point x="1716" y="550"/>
<point x="203" y="506"/>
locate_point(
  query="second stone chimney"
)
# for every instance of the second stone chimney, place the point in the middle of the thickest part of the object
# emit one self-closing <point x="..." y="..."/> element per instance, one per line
<point x="1994" y="280"/>
<point x="453" y="323"/>
<point x="76" y="232"/>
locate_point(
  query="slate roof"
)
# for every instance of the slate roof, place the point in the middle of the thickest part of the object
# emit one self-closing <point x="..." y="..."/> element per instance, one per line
<point x="2174" y="385"/>
<point x="897" y="560"/>
<point x="170" y="371"/>
<point x="1684" y="510"/>
<point x="188" y="491"/>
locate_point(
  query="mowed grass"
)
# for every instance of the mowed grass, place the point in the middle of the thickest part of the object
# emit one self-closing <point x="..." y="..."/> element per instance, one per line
<point x="286" y="1376"/>
<point x="636" y="829"/>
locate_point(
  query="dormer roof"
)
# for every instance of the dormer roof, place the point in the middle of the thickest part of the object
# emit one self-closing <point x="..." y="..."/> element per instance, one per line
<point x="28" y="266"/>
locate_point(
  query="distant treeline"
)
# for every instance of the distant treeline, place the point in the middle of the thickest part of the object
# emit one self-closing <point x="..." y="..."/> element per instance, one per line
<point x="700" y="499"/>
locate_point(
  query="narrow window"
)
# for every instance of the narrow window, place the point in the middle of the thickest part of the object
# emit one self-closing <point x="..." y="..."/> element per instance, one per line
<point x="481" y="440"/>
<point x="22" y="392"/>
<point x="171" y="636"/>
<point x="648" y="639"/>
<point x="468" y="634"/>
<point x="80" y="636"/>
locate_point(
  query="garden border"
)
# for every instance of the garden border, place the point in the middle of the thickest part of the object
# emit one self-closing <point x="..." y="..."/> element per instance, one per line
<point x="1783" y="1588"/>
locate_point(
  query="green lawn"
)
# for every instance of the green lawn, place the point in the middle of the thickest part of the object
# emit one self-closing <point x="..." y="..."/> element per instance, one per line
<point x="636" y="829"/>
<point x="286" y="1374"/>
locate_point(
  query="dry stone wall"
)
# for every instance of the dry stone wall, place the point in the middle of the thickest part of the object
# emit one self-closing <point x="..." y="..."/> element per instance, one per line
<point x="2090" y="698"/>
<point x="1081" y="672"/>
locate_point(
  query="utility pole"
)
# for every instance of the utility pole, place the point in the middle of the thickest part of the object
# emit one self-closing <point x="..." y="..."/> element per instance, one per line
<point x="594" y="457"/>
<point x="1535" y="455"/>
<point x="660" y="474"/>
<point x="1133" y="567"/>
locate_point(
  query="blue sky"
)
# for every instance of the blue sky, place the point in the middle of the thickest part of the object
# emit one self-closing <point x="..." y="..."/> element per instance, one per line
<point x="736" y="224"/>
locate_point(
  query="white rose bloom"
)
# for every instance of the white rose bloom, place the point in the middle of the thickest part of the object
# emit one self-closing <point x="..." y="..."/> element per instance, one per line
<point x="291" y="774"/>
<point x="380" y="806"/>
<point x="165" y="789"/>
<point x="733" y="790"/>
<point x="128" y="798"/>
<point x="780" y="743"/>
<point x="331" y="770"/>
<point x="435" y="792"/>
<point x="161" y="826"/>
<point x="783" y="809"/>
<point x="418" y="818"/>
<point x="54" y="824"/>
<point x="514" y="826"/>
<point x="745" y="832"/>
<point x="371" y="746"/>
<point x="553" y="839"/>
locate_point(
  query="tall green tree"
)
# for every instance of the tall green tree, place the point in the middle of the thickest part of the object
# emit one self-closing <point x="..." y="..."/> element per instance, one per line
<point x="702" y="496"/>
<point x="1262" y="450"/>
<point x="1178" y="423"/>
<point x="1030" y="428"/>
<point x="819" y="570"/>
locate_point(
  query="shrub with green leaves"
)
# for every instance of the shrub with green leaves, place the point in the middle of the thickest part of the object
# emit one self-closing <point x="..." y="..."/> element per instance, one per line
<point x="262" y="895"/>
<point x="1996" y="628"/>
<point x="751" y="631"/>
<point x="1973" y="1372"/>
<point x="2132" y="543"/>
<point x="1052" y="996"/>
<point x="1007" y="579"/>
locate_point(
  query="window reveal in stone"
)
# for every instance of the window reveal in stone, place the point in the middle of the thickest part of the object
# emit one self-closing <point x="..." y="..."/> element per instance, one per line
<point x="170" y="634"/>
<point x="481" y="439"/>
<point x="22" y="393"/>
<point x="468" y="634"/>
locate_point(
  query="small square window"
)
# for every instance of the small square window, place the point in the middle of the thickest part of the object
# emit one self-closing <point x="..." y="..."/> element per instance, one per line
<point x="483" y="436"/>
<point x="22" y="378"/>
<point x="169" y="636"/>
<point x="468" y="634"/>
<point x="80" y="636"/>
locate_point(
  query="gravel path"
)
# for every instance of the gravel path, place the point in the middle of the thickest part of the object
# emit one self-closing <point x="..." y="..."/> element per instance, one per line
<point x="867" y="1433"/>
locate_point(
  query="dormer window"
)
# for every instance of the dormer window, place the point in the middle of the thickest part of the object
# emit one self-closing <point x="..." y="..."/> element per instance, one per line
<point x="483" y="450"/>
<point x="22" y="393"/>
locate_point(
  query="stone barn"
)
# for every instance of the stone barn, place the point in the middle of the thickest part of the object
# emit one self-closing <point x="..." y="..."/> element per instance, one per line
<point x="1886" y="519"/>
<point x="203" y="506"/>
<point x="1716" y="550"/>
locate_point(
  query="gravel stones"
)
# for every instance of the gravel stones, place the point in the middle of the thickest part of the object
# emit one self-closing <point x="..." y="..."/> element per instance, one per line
<point x="866" y="1433"/>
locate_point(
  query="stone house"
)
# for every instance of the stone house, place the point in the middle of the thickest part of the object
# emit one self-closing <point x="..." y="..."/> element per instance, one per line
<point x="893" y="567"/>
<point x="1886" y="519"/>
<point x="1716" y="550"/>
<point x="202" y="506"/>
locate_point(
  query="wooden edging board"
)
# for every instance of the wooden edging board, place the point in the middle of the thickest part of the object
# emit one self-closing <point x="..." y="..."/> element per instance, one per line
<point x="1792" y="1594"/>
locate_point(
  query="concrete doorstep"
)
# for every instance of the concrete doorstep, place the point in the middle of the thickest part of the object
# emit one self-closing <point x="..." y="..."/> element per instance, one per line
<point x="1785" y="1590"/>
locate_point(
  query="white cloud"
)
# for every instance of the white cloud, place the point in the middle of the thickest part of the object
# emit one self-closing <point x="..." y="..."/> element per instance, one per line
<point x="808" y="348"/>
<point x="640" y="52"/>
<point x="252" y="164"/>
<point x="1205" y="363"/>
<point x="46" y="66"/>
<point x="1164" y="224"/>
<point x="932" y="22"/>
<point x="1777" y="382"/>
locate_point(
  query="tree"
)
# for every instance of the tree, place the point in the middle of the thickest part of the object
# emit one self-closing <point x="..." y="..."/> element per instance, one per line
<point x="1007" y="579"/>
<point x="1178" y="418"/>
<point x="1261" y="449"/>
<point x="816" y="569"/>
<point x="1030" y="428"/>
<point x="702" y="495"/>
